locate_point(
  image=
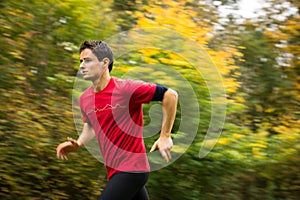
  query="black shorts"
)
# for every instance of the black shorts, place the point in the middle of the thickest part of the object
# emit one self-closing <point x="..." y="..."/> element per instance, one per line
<point x="126" y="186"/>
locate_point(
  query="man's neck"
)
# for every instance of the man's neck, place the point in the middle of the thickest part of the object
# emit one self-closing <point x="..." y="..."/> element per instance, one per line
<point x="101" y="83"/>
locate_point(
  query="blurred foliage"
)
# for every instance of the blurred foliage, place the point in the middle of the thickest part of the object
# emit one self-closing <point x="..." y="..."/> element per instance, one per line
<point x="257" y="155"/>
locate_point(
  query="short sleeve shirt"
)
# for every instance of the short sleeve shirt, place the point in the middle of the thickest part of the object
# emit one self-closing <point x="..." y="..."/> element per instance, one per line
<point x="116" y="115"/>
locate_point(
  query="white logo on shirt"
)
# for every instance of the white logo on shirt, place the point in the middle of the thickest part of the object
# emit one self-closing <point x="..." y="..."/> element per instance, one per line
<point x="107" y="107"/>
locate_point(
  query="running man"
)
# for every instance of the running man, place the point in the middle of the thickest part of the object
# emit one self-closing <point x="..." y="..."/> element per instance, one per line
<point x="112" y="111"/>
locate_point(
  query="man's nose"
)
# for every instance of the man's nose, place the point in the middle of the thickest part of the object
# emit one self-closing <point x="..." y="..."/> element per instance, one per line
<point x="81" y="66"/>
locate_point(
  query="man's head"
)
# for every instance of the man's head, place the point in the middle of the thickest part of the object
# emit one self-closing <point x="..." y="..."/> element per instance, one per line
<point x="100" y="49"/>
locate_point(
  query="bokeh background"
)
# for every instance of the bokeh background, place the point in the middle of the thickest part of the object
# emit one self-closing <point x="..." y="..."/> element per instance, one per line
<point x="258" y="153"/>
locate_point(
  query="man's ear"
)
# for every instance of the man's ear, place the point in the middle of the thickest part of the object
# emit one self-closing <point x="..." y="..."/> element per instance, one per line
<point x="106" y="61"/>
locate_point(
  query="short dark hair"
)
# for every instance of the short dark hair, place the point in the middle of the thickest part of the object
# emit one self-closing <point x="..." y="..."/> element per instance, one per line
<point x="100" y="49"/>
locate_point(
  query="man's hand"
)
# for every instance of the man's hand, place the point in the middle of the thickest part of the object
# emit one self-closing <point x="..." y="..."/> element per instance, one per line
<point x="67" y="147"/>
<point x="164" y="144"/>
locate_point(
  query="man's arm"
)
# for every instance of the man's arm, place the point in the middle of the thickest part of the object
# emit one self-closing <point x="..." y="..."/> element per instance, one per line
<point x="73" y="145"/>
<point x="169" y="107"/>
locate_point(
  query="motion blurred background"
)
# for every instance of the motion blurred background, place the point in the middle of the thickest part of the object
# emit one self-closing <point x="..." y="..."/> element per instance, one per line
<point x="255" y="46"/>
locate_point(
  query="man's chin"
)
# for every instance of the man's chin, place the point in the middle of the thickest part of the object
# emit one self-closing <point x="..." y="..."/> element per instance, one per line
<point x="86" y="78"/>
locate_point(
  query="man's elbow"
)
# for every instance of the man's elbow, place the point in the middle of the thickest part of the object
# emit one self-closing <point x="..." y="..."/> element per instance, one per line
<point x="172" y="95"/>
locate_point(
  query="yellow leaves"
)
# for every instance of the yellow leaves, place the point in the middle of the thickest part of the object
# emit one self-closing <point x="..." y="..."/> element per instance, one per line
<point x="22" y="78"/>
<point x="237" y="53"/>
<point x="144" y="22"/>
<point x="235" y="137"/>
<point x="209" y="143"/>
<point x="292" y="26"/>
<point x="255" y="151"/>
<point x="238" y="136"/>
<point x="174" y="56"/>
<point x="159" y="73"/>
<point x="178" y="149"/>
<point x="224" y="60"/>
<point x="264" y="133"/>
<point x="143" y="69"/>
<point x="174" y="15"/>
<point x="262" y="144"/>
<point x="270" y="110"/>
<point x="149" y="52"/>
<point x="223" y="141"/>
<point x="150" y="60"/>
<point x="239" y="99"/>
<point x="172" y="62"/>
<point x="168" y="82"/>
<point x="17" y="54"/>
<point x="15" y="12"/>
<point x="282" y="129"/>
<point x="5" y="26"/>
<point x="259" y="108"/>
<point x="235" y="154"/>
<point x="28" y="34"/>
<point x="231" y="85"/>
<point x="241" y="47"/>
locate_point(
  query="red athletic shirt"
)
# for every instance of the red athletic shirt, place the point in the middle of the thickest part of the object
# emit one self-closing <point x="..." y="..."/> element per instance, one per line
<point x="116" y="115"/>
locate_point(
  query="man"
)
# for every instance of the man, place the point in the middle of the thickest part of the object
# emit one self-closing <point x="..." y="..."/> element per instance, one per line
<point x="112" y="111"/>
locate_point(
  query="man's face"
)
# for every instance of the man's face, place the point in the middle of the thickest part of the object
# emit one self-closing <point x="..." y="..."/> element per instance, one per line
<point x="91" y="68"/>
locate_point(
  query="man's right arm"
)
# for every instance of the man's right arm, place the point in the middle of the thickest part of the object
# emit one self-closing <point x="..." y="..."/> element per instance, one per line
<point x="73" y="145"/>
<point x="86" y="135"/>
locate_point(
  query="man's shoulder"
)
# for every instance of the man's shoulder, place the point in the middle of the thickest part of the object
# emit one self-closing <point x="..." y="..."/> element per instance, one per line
<point x="120" y="82"/>
<point x="128" y="81"/>
<point x="130" y="85"/>
<point x="86" y="93"/>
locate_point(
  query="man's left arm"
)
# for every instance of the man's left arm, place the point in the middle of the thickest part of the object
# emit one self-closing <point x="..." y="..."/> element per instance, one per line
<point x="169" y="107"/>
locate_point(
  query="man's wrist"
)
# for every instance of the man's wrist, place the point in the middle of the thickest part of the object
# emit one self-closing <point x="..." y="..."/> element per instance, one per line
<point x="79" y="143"/>
<point x="165" y="135"/>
